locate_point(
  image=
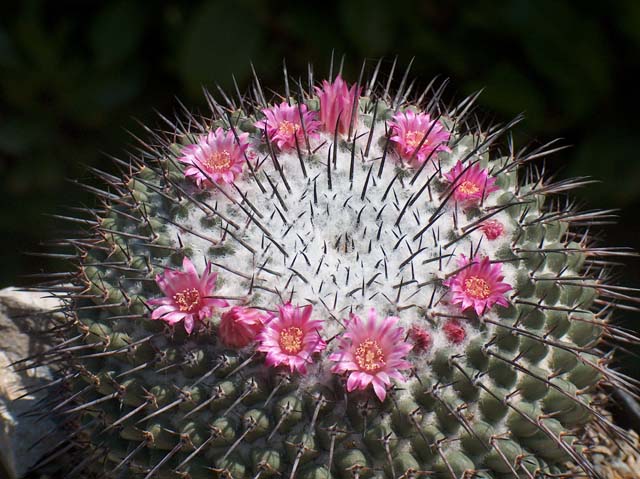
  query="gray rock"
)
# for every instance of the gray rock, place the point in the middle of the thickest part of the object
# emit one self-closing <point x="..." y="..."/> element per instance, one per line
<point x="24" y="437"/>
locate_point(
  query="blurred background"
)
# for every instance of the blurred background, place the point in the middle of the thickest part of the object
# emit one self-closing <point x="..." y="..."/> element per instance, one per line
<point x="75" y="74"/>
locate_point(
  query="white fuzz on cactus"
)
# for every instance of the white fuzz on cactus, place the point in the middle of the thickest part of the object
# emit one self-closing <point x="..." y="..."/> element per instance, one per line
<point x="343" y="282"/>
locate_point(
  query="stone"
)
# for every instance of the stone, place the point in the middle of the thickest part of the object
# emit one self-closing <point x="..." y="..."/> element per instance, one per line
<point x="24" y="436"/>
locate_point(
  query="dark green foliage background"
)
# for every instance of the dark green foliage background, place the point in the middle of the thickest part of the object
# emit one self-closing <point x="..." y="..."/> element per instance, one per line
<point x="73" y="75"/>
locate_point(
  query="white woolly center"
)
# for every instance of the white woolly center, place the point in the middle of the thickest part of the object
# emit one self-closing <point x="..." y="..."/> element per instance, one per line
<point x="347" y="245"/>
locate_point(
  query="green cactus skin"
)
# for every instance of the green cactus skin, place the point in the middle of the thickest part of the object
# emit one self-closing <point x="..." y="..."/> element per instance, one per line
<point x="509" y="400"/>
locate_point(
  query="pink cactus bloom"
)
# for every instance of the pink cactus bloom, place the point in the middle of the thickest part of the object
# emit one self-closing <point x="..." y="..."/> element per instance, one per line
<point x="187" y="296"/>
<point x="372" y="353"/>
<point x="472" y="183"/>
<point x="420" y="337"/>
<point x="337" y="103"/>
<point x="291" y="338"/>
<point x="492" y="229"/>
<point x="454" y="331"/>
<point x="217" y="157"/>
<point x="239" y="326"/>
<point x="284" y="125"/>
<point x="408" y="130"/>
<point x="478" y="285"/>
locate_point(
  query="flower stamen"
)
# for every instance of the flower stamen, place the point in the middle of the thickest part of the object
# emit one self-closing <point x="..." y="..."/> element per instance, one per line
<point x="288" y="128"/>
<point x="477" y="287"/>
<point x="468" y="187"/>
<point x="187" y="300"/>
<point x="218" y="161"/>
<point x="291" y="340"/>
<point x="413" y="138"/>
<point x="369" y="356"/>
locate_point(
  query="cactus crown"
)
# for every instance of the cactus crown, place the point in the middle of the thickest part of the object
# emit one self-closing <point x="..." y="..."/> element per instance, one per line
<point x="344" y="282"/>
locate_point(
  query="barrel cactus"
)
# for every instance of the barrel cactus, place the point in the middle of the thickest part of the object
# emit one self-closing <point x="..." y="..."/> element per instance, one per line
<point x="346" y="281"/>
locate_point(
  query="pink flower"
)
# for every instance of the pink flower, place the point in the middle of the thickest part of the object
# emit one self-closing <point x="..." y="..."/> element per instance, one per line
<point x="187" y="296"/>
<point x="454" y="331"/>
<point x="472" y="183"/>
<point x="492" y="229"/>
<point x="291" y="338"/>
<point x="420" y="337"/>
<point x="337" y="102"/>
<point x="284" y="125"/>
<point x="217" y="157"/>
<point x="478" y="285"/>
<point x="372" y="352"/>
<point x="409" y="129"/>
<point x="239" y="326"/>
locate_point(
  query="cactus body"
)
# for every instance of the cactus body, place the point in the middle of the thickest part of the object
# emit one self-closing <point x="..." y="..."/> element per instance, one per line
<point x="488" y="297"/>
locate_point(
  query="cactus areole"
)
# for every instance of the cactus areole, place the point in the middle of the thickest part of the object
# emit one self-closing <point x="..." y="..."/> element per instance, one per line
<point x="350" y="280"/>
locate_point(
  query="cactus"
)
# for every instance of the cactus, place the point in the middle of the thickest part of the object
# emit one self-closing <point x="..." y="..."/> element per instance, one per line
<point x="345" y="282"/>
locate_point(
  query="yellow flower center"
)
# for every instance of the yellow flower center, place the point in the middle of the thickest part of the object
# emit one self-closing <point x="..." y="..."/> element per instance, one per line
<point x="187" y="300"/>
<point x="468" y="187"/>
<point x="288" y="128"/>
<point x="369" y="356"/>
<point x="413" y="138"/>
<point x="218" y="161"/>
<point x="477" y="288"/>
<point x="291" y="340"/>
